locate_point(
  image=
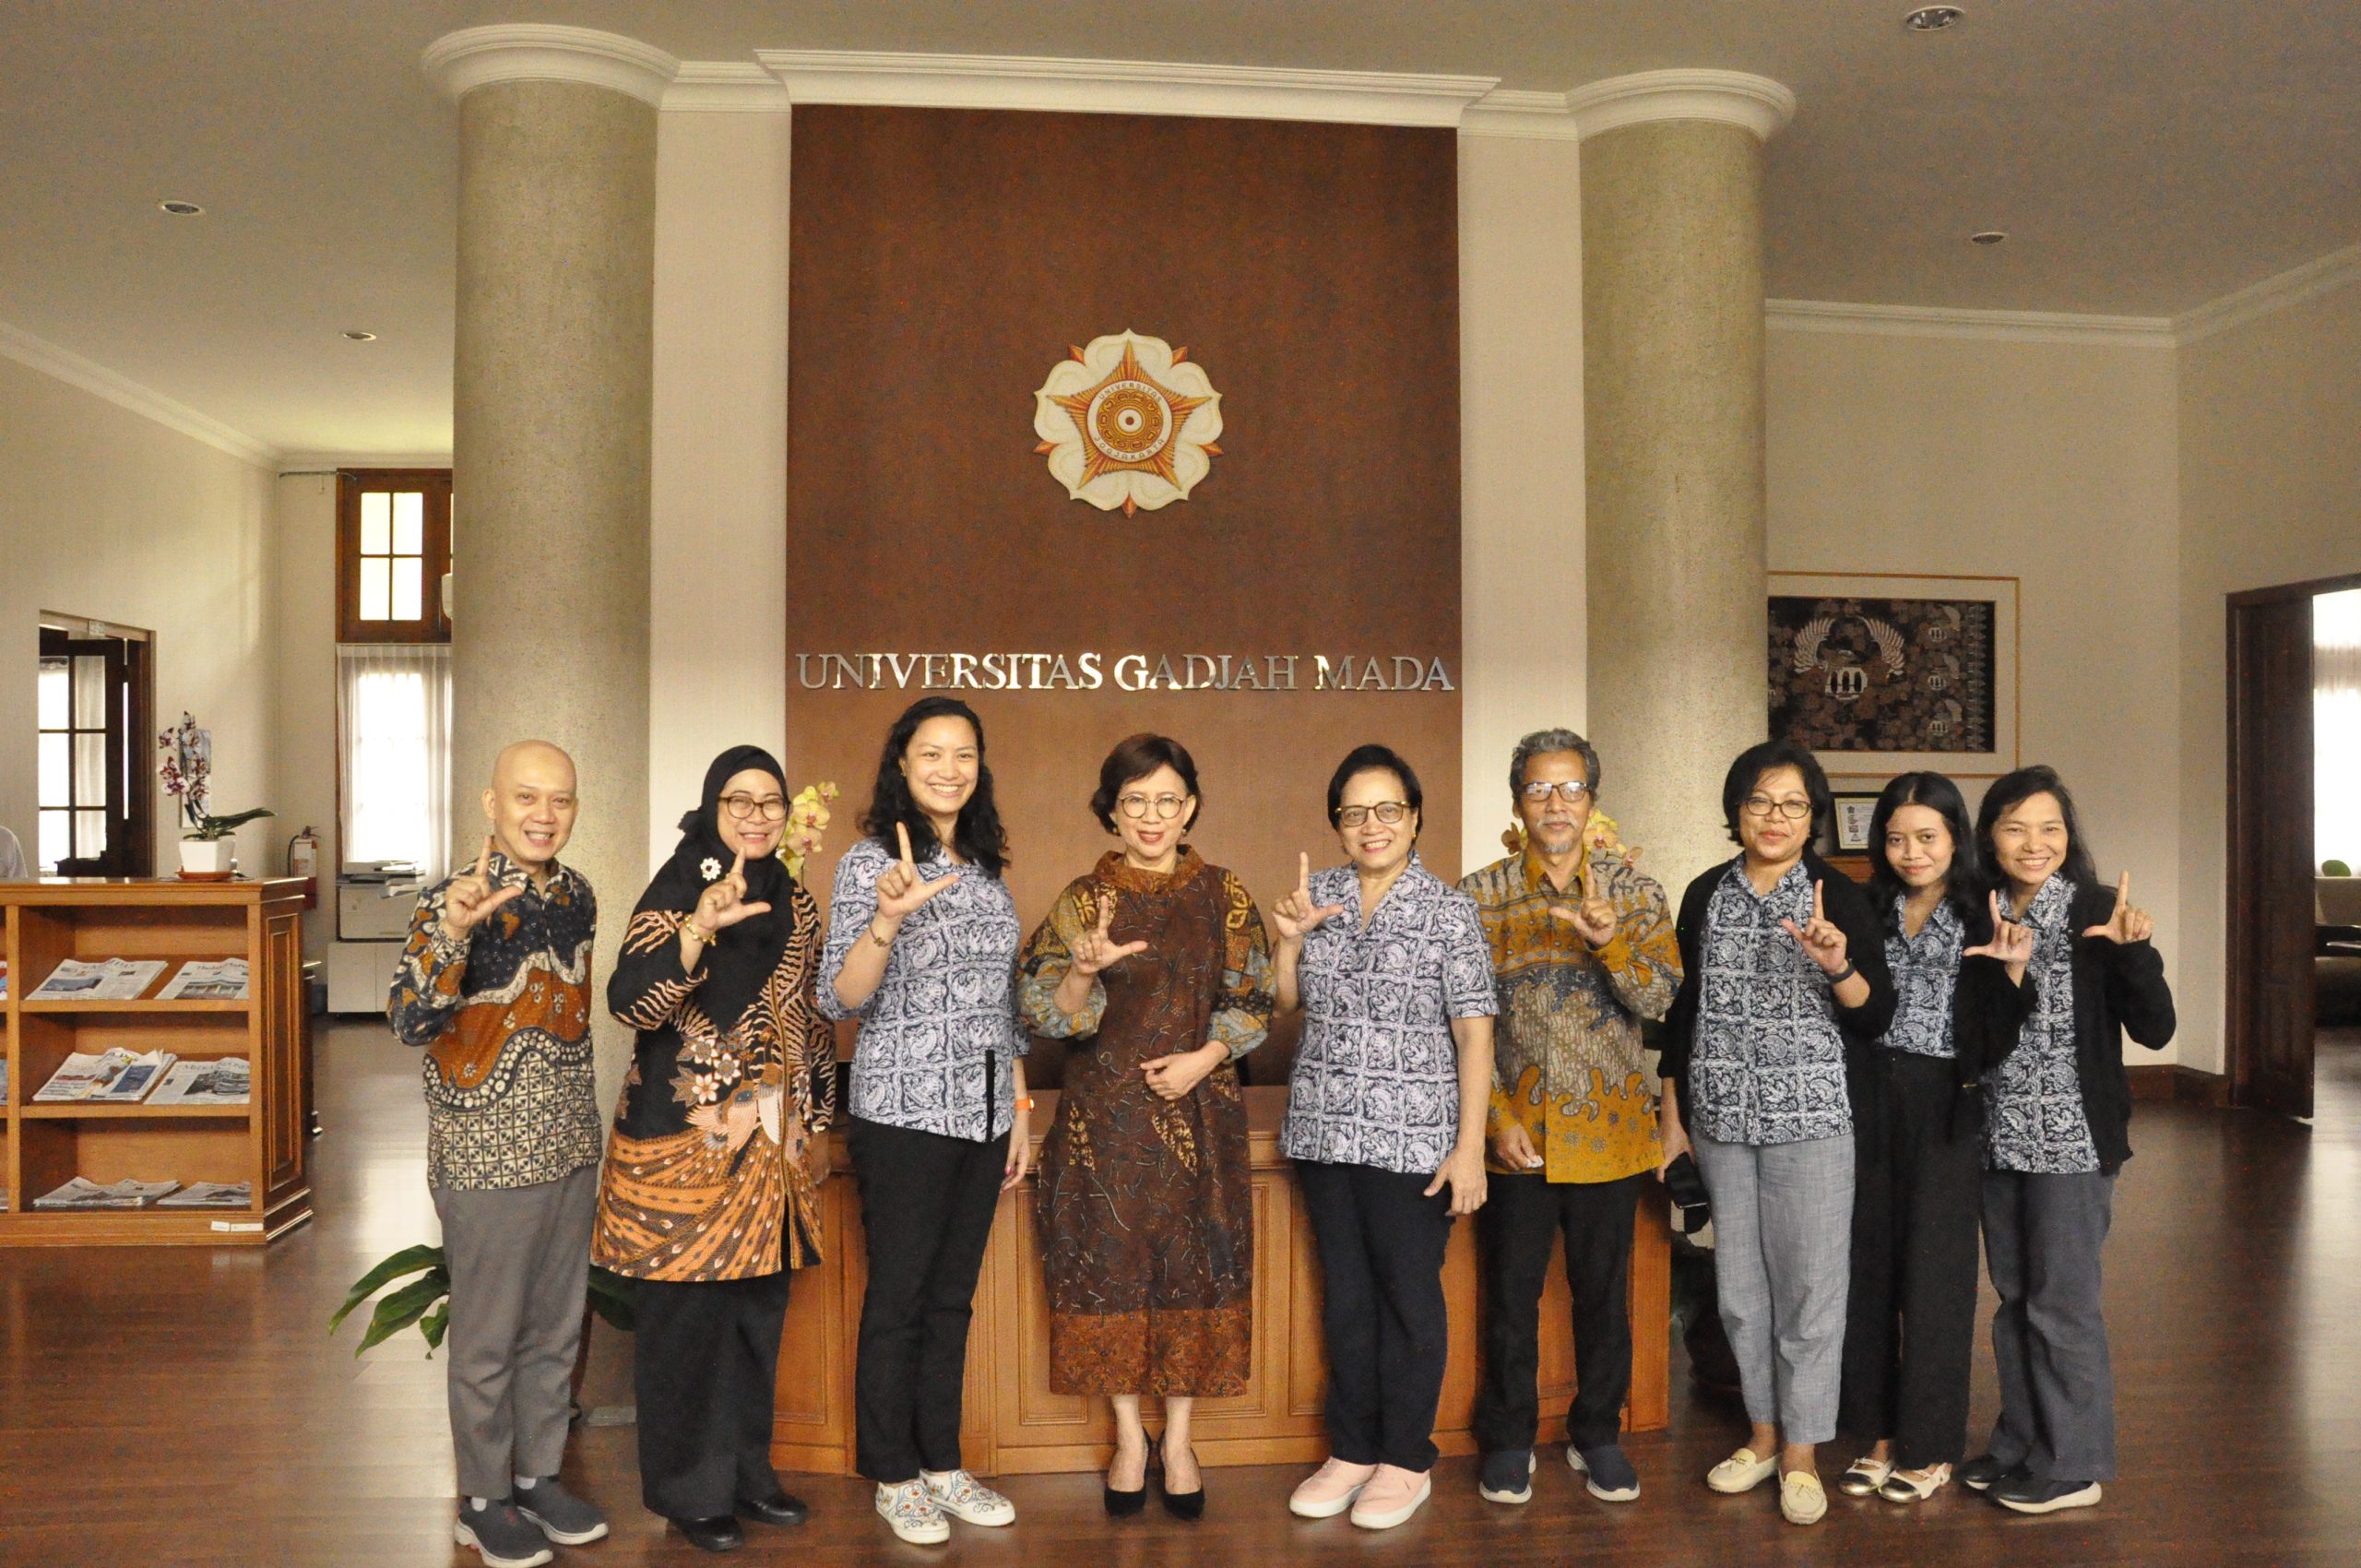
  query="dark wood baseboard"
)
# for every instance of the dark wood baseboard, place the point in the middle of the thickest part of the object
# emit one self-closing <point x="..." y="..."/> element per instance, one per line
<point x="2190" y="1085"/>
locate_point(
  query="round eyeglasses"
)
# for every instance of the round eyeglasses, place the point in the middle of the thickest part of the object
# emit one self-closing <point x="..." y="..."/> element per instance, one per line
<point x="740" y="807"/>
<point x="1791" y="809"/>
<point x="1165" y="807"/>
<point x="1386" y="812"/>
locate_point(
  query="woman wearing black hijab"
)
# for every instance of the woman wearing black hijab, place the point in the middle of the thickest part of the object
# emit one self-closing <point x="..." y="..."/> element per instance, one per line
<point x="704" y="1198"/>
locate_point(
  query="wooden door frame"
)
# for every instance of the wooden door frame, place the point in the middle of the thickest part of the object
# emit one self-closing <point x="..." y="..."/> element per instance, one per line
<point x="2237" y="1048"/>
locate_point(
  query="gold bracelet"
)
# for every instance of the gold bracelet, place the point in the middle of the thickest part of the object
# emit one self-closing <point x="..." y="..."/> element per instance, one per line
<point x="689" y="930"/>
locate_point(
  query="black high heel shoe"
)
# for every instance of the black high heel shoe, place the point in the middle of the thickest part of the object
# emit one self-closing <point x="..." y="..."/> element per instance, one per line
<point x="1187" y="1504"/>
<point x="1123" y="1504"/>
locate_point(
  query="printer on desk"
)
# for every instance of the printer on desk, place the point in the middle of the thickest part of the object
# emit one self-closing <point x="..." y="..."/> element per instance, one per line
<point x="374" y="901"/>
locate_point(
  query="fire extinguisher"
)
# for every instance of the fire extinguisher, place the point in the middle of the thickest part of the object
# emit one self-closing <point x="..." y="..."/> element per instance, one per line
<point x="303" y="860"/>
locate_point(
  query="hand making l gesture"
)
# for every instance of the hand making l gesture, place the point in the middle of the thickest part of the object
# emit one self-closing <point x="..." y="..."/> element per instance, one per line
<point x="1823" y="939"/>
<point x="1095" y="949"/>
<point x="901" y="890"/>
<point x="470" y="899"/>
<point x="1296" y="915"/>
<point x="2127" y="924"/>
<point x="2011" y="942"/>
<point x="723" y="904"/>
<point x="1592" y="918"/>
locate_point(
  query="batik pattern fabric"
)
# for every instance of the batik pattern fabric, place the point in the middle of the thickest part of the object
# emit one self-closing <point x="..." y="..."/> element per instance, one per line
<point x="1376" y="1078"/>
<point x="939" y="1037"/>
<point x="2038" y="1123"/>
<point x="705" y="1178"/>
<point x="1768" y="1063"/>
<point x="1567" y="1062"/>
<point x="504" y="1016"/>
<point x="1146" y="1214"/>
<point x="1925" y="977"/>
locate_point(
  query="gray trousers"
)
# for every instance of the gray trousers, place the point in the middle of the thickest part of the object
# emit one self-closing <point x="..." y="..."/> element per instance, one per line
<point x="2042" y="1237"/>
<point x="520" y="1262"/>
<point x="1783" y="1246"/>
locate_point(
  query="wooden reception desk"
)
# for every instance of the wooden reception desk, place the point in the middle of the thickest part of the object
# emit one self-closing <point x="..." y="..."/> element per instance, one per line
<point x="1014" y="1424"/>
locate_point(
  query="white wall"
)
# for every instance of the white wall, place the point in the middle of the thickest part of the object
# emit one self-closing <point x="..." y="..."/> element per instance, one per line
<point x="305" y="695"/>
<point x="2052" y="463"/>
<point x="1523" y="623"/>
<point x="2271" y="493"/>
<point x="718" y="580"/>
<point x="111" y="516"/>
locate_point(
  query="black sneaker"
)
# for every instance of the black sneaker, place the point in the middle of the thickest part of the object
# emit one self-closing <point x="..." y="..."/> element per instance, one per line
<point x="2030" y="1494"/>
<point x="1508" y="1476"/>
<point x="1606" y="1473"/>
<point x="501" y="1535"/>
<point x="1980" y="1472"/>
<point x="563" y="1516"/>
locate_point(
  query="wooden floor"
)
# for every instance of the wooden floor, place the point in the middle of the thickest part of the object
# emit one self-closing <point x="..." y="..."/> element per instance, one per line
<point x="186" y="1407"/>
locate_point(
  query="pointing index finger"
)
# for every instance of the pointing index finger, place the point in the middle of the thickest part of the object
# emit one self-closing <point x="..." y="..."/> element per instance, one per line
<point x="1105" y="913"/>
<point x="1303" y="875"/>
<point x="483" y="861"/>
<point x="2122" y="891"/>
<point x="902" y="831"/>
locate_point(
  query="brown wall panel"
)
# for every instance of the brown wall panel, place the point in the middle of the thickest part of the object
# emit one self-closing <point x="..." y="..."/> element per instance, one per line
<point x="941" y="263"/>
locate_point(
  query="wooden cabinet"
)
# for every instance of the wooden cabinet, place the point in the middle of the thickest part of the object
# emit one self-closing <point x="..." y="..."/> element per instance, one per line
<point x="262" y="1142"/>
<point x="1014" y="1423"/>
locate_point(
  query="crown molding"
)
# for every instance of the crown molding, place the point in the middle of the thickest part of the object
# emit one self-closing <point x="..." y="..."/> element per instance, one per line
<point x="1122" y="87"/>
<point x="40" y="354"/>
<point x="2322" y="275"/>
<point x="294" y="463"/>
<point x="1515" y="112"/>
<point x="1936" y="321"/>
<point x="534" y="52"/>
<point x="1754" y="103"/>
<point x="725" y="87"/>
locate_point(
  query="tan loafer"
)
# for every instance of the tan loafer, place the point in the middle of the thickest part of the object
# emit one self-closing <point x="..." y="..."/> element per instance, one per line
<point x="1916" y="1485"/>
<point x="1742" y="1471"/>
<point x="1801" y="1498"/>
<point x="1863" y="1475"/>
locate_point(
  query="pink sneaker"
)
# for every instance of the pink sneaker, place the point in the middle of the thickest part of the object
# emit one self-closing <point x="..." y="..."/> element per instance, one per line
<point x="1330" y="1490"/>
<point x="1389" y="1497"/>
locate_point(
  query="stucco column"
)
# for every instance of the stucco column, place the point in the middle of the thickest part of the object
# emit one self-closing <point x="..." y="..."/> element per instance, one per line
<point x="551" y="392"/>
<point x="1672" y="409"/>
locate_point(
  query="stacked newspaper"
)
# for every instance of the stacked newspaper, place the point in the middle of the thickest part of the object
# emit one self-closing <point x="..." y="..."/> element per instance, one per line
<point x="83" y="1074"/>
<point x="229" y="1081"/>
<point x="139" y="1075"/>
<point x="206" y="980"/>
<point x="211" y="1194"/>
<point x="105" y="979"/>
<point x="82" y="1193"/>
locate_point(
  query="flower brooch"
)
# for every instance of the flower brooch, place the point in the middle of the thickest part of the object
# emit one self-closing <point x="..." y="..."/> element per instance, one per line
<point x="709" y="868"/>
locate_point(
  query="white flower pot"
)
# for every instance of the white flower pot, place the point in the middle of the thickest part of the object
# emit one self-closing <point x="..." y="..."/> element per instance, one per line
<point x="208" y="857"/>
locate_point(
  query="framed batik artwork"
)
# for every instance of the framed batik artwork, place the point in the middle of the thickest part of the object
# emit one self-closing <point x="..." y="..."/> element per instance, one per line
<point x="1880" y="675"/>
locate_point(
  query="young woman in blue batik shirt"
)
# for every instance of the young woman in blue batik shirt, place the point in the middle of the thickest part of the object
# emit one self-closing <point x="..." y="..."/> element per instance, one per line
<point x="921" y="948"/>
<point x="2059" y="1109"/>
<point x="1784" y="994"/>
<point x="1958" y="965"/>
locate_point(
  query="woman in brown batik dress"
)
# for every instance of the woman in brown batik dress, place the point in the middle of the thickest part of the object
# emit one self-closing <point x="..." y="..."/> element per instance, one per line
<point x="1158" y="968"/>
<point x="704" y="1198"/>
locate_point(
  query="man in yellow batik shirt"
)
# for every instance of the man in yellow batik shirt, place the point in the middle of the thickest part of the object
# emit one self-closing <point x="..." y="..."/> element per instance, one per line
<point x="1582" y="951"/>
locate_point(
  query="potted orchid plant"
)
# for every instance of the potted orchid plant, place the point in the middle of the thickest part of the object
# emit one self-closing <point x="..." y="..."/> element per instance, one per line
<point x="208" y="852"/>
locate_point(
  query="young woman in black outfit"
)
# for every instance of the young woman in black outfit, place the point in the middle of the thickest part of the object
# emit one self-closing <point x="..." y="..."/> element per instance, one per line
<point x="2059" y="1107"/>
<point x="1910" y="1314"/>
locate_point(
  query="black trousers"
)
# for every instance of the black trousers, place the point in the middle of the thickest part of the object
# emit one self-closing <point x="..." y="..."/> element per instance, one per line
<point x="706" y="1359"/>
<point x="1380" y="1263"/>
<point x="1520" y="1217"/>
<point x="926" y="1205"/>
<point x="1910" y="1314"/>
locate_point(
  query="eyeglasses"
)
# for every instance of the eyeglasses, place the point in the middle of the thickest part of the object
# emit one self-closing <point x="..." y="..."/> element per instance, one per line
<point x="740" y="807"/>
<point x="1791" y="809"/>
<point x="1136" y="806"/>
<point x="1571" y="791"/>
<point x="1386" y="812"/>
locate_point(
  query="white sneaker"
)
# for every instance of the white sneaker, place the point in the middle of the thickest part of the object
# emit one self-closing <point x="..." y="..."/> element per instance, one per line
<point x="961" y="1496"/>
<point x="909" y="1508"/>
<point x="1392" y="1495"/>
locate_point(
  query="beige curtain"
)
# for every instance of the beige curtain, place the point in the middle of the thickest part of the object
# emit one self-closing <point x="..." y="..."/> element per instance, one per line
<point x="2336" y="726"/>
<point x="393" y="716"/>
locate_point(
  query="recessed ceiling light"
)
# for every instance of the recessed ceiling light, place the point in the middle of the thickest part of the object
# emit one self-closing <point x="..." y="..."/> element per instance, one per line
<point x="1934" y="19"/>
<point x="1989" y="237"/>
<point x="359" y="337"/>
<point x="181" y="209"/>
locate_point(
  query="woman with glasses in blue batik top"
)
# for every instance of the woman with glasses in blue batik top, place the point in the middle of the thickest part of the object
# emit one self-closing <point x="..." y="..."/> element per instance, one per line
<point x="1783" y="992"/>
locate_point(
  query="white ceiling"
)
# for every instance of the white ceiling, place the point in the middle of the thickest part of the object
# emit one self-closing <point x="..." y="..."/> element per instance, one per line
<point x="2144" y="156"/>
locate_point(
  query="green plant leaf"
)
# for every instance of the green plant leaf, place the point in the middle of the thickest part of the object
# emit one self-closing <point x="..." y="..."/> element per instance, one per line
<point x="404" y="1307"/>
<point x="434" y="1326"/>
<point x="212" y="826"/>
<point x="409" y="1260"/>
<point x="614" y="1298"/>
